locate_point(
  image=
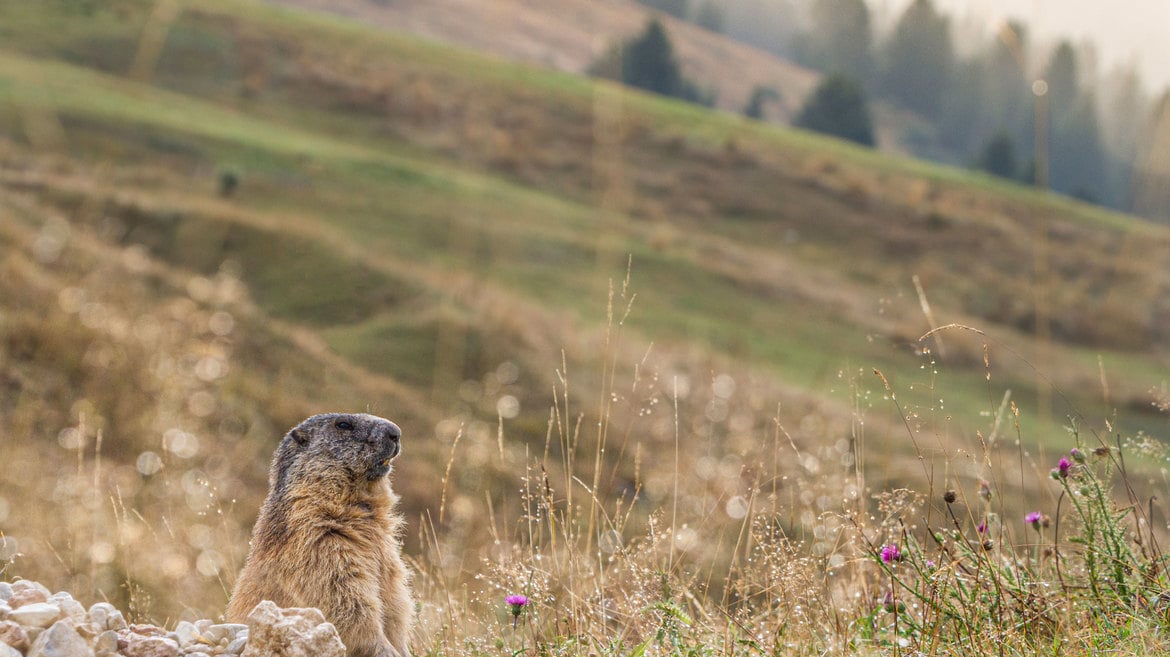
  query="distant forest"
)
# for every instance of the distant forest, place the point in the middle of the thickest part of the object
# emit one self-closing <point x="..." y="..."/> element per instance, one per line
<point x="980" y="104"/>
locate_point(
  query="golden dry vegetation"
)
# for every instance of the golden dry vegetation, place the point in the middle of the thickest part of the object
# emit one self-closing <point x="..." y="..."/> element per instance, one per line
<point x="659" y="369"/>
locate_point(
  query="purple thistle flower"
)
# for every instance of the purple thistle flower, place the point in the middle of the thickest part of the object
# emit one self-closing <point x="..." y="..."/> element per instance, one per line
<point x="891" y="553"/>
<point x="1062" y="468"/>
<point x="981" y="528"/>
<point x="518" y="602"/>
<point x="1033" y="518"/>
<point x="1077" y="455"/>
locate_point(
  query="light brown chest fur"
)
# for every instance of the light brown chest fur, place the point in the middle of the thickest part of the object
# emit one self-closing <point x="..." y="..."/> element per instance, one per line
<point x="336" y="549"/>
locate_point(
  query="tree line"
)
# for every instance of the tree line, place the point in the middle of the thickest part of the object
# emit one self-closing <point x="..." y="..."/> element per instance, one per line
<point x="985" y="106"/>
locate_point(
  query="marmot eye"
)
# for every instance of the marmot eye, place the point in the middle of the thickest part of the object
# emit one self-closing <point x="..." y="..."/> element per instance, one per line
<point x="342" y="424"/>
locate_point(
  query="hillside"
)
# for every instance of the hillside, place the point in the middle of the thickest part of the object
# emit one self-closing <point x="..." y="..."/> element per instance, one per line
<point x="540" y="277"/>
<point x="569" y="36"/>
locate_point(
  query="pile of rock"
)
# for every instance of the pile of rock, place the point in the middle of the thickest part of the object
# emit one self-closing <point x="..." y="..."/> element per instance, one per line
<point x="37" y="623"/>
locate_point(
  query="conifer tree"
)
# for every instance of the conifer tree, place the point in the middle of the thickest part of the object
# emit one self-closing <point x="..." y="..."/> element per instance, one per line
<point x="920" y="59"/>
<point x="838" y="107"/>
<point x="648" y="61"/>
<point x="999" y="156"/>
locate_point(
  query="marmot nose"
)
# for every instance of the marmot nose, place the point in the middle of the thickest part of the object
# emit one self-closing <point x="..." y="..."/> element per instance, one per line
<point x="392" y="432"/>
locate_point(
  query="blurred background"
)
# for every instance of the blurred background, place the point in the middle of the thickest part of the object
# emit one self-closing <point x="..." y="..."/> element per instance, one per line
<point x="790" y="253"/>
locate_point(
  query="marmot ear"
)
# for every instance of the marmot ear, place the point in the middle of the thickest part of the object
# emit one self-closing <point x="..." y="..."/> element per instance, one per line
<point x="299" y="436"/>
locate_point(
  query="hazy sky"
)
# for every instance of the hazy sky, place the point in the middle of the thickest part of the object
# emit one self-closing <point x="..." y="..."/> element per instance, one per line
<point x="1125" y="31"/>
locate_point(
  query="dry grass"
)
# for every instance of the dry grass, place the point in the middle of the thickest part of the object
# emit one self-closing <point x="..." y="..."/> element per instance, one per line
<point x="726" y="524"/>
<point x="782" y="546"/>
<point x="724" y="490"/>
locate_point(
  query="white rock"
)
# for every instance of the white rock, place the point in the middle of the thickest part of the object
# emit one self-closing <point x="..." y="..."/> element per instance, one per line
<point x="290" y="633"/>
<point x="14" y="635"/>
<point x="5" y="590"/>
<point x="68" y="606"/>
<point x="106" y="644"/>
<point x="106" y="617"/>
<point x="26" y="584"/>
<point x="37" y="614"/>
<point x="149" y="646"/>
<point x="224" y="633"/>
<point x="186" y="633"/>
<point x="236" y="647"/>
<point x="8" y="651"/>
<point x="60" y="640"/>
<point x="99" y="614"/>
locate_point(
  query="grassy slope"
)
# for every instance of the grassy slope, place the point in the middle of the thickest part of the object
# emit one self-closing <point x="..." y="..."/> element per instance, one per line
<point x="429" y="214"/>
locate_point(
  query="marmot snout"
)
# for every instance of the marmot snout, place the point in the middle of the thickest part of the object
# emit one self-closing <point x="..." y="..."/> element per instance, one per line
<point x="327" y="535"/>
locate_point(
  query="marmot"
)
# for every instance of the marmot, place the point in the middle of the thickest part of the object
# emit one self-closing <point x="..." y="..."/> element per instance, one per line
<point x="328" y="535"/>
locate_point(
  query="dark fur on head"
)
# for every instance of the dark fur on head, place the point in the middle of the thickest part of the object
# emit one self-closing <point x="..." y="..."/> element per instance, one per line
<point x="357" y="447"/>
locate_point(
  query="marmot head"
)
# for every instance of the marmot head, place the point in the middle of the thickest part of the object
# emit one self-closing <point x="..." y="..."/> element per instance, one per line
<point x="357" y="446"/>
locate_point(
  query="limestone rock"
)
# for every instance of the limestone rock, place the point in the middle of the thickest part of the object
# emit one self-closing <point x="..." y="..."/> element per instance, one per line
<point x="185" y="633"/>
<point x="12" y="634"/>
<point x="106" y="644"/>
<point x="223" y="633"/>
<point x="236" y="647"/>
<point x="154" y="646"/>
<point x="69" y="607"/>
<point x="142" y="640"/>
<point x="26" y="596"/>
<point x="106" y="617"/>
<point x="26" y="584"/>
<point x="291" y="632"/>
<point x="36" y="614"/>
<point x="60" y="640"/>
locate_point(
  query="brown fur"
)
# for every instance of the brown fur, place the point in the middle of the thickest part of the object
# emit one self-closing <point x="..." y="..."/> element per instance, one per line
<point x="328" y="535"/>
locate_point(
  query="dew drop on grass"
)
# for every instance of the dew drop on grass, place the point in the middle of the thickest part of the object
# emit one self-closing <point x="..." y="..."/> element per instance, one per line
<point x="148" y="463"/>
<point x="69" y="438"/>
<point x="102" y="552"/>
<point x="723" y="386"/>
<point x="71" y="299"/>
<point x="508" y="407"/>
<point x="507" y="373"/>
<point x="737" y="507"/>
<point x="8" y="548"/>
<point x="201" y="403"/>
<point x="180" y="443"/>
<point x="210" y="368"/>
<point x="221" y="323"/>
<point x="209" y="563"/>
